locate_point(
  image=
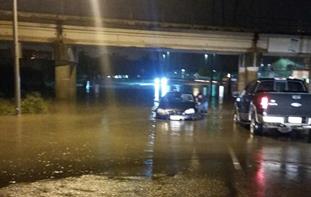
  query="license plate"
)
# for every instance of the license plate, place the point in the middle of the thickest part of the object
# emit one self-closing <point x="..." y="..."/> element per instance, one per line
<point x="295" y="120"/>
<point x="176" y="117"/>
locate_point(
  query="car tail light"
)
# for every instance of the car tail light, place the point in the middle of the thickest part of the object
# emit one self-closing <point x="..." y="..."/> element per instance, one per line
<point x="264" y="102"/>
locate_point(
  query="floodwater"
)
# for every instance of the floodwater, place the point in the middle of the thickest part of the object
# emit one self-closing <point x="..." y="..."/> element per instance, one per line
<point x="114" y="134"/>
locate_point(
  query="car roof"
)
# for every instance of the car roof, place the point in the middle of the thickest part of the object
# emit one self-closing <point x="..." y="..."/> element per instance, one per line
<point x="278" y="79"/>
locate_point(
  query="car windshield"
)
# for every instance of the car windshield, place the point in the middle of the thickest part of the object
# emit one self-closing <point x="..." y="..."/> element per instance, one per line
<point x="281" y="86"/>
<point x="178" y="97"/>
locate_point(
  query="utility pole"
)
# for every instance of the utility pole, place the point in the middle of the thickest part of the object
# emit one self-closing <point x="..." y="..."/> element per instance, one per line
<point x="16" y="59"/>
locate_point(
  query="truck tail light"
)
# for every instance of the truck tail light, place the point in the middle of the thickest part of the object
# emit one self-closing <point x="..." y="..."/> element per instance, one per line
<point x="264" y="102"/>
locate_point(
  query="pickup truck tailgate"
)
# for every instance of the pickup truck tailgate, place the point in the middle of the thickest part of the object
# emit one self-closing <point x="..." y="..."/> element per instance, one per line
<point x="289" y="104"/>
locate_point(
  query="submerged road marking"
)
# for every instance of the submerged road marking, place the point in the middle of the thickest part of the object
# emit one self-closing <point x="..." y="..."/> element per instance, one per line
<point x="235" y="160"/>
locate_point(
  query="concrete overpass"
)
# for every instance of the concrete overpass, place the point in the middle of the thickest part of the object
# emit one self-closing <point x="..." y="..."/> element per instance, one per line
<point x="66" y="31"/>
<point x="126" y="33"/>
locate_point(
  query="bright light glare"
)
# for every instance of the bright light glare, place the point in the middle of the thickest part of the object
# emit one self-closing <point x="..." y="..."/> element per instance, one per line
<point x="156" y="89"/>
<point x="164" y="86"/>
<point x="160" y="87"/>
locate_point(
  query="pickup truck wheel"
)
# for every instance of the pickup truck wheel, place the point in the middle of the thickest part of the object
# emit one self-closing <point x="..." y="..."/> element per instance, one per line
<point x="255" y="128"/>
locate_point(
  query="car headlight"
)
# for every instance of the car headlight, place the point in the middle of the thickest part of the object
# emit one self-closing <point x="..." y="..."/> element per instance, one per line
<point x="162" y="111"/>
<point x="190" y="111"/>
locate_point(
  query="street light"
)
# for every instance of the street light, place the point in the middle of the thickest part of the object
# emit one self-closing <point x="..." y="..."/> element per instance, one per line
<point x="16" y="60"/>
<point x="206" y="56"/>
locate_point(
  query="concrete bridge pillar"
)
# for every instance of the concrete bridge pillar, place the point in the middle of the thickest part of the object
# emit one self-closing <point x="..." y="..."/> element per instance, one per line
<point x="248" y="68"/>
<point x="65" y="72"/>
<point x="242" y="73"/>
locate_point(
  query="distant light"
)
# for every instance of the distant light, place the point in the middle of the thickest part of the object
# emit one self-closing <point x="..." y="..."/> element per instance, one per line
<point x="183" y="70"/>
<point x="269" y="65"/>
<point x="206" y="56"/>
<point x="108" y="76"/>
<point x="221" y="91"/>
<point x="88" y="86"/>
<point x="175" y="73"/>
<point x="168" y="53"/>
<point x="163" y="56"/>
<point x="229" y="75"/>
<point x="262" y="65"/>
<point x="214" y="71"/>
<point x="196" y="91"/>
<point x="201" y="80"/>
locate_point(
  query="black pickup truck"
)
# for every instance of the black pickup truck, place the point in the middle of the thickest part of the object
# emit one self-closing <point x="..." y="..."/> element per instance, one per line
<point x="282" y="104"/>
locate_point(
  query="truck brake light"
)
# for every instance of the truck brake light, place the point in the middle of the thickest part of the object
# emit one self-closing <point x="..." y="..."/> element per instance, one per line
<point x="264" y="102"/>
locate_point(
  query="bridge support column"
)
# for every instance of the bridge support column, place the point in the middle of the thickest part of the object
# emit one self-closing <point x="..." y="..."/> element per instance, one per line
<point x="248" y="68"/>
<point x="242" y="73"/>
<point x="65" y="72"/>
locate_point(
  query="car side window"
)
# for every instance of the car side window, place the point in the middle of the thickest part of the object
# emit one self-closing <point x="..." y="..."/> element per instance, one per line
<point x="265" y="86"/>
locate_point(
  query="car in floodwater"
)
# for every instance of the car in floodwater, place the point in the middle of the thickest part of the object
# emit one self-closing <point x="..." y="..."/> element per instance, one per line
<point x="177" y="106"/>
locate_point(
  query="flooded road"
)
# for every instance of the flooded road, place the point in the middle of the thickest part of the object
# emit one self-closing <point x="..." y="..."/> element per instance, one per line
<point x="115" y="135"/>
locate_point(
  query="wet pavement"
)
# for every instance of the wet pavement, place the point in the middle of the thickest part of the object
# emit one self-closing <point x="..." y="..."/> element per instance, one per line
<point x="114" y="136"/>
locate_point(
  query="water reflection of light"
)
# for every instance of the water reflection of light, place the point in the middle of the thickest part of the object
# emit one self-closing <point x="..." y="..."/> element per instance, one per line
<point x="149" y="151"/>
<point x="149" y="167"/>
<point x="260" y="174"/>
<point x="176" y="125"/>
